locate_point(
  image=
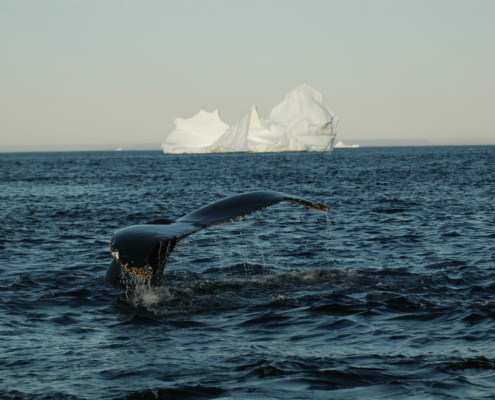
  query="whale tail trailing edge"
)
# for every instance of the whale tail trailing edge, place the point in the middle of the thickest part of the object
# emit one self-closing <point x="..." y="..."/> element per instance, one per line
<point x="143" y="250"/>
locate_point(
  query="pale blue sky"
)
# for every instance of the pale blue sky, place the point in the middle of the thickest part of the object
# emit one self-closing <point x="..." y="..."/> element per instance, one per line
<point x="105" y="72"/>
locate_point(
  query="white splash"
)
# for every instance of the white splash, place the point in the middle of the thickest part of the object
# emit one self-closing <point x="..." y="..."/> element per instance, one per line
<point x="148" y="296"/>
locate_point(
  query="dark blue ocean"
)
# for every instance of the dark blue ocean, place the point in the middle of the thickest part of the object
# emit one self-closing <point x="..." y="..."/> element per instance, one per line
<point x="389" y="294"/>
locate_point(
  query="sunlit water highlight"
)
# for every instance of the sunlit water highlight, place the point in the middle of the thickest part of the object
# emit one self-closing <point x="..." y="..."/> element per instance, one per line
<point x="390" y="294"/>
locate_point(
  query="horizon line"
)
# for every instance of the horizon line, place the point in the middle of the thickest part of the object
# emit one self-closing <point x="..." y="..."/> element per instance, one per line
<point x="157" y="147"/>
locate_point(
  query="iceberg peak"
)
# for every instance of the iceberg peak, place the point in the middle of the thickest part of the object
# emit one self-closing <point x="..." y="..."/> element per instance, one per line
<point x="254" y="121"/>
<point x="305" y="92"/>
<point x="301" y="108"/>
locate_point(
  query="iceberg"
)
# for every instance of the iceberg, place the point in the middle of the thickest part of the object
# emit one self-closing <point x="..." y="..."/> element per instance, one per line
<point x="249" y="135"/>
<point x="301" y="122"/>
<point x="304" y="116"/>
<point x="195" y="134"/>
<point x="340" y="145"/>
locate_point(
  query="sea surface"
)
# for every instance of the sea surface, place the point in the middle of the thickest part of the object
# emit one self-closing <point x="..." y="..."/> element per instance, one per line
<point x="391" y="294"/>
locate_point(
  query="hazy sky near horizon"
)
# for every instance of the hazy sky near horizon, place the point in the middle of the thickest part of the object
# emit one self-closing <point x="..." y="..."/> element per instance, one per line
<point x="103" y="72"/>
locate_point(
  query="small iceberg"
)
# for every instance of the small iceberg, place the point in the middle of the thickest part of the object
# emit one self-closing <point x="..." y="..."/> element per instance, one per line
<point x="340" y="145"/>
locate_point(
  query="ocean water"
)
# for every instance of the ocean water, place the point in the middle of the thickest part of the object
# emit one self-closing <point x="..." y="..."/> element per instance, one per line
<point x="390" y="293"/>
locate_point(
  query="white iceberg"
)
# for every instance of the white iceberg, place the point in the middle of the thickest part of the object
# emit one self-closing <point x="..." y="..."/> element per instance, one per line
<point x="300" y="123"/>
<point x="195" y="134"/>
<point x="249" y="135"/>
<point x="304" y="116"/>
<point x="340" y="145"/>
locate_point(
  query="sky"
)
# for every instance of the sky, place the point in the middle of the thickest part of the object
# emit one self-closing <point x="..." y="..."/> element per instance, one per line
<point x="120" y="72"/>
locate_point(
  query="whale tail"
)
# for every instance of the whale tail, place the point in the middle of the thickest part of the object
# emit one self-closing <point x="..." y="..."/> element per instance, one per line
<point x="143" y="250"/>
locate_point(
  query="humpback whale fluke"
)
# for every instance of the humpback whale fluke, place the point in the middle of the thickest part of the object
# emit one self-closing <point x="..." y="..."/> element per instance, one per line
<point x="143" y="250"/>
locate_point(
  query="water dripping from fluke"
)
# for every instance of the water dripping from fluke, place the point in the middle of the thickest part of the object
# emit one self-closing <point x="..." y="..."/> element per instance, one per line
<point x="141" y="251"/>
